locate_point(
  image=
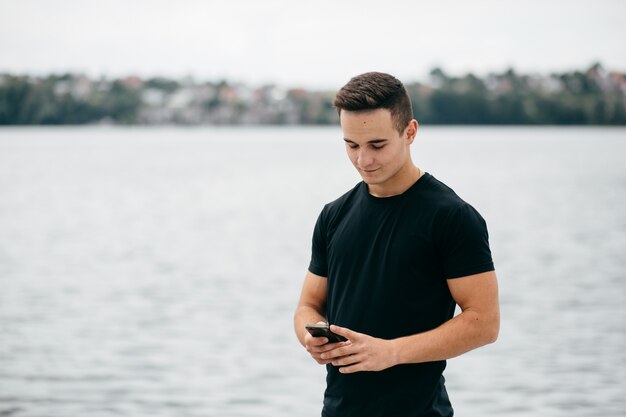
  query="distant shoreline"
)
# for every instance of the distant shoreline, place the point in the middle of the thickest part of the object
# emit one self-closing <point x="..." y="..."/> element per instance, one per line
<point x="593" y="97"/>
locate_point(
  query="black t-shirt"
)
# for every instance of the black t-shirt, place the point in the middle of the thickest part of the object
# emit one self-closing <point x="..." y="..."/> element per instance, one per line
<point x="387" y="261"/>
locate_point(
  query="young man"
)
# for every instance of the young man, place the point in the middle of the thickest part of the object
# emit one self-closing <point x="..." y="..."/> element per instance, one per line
<point x="390" y="260"/>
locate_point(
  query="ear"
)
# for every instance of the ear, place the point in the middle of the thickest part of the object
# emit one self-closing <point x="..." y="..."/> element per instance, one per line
<point x="411" y="131"/>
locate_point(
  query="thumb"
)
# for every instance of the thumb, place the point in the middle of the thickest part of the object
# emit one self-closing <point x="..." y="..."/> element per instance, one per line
<point x="342" y="331"/>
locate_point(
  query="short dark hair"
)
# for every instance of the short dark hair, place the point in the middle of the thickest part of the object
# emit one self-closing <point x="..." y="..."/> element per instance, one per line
<point x="376" y="90"/>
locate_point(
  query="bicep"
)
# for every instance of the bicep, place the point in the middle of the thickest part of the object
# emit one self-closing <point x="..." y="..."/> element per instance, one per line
<point x="477" y="292"/>
<point x="314" y="291"/>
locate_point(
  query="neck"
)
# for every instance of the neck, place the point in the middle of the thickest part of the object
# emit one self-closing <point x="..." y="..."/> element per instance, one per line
<point x="400" y="182"/>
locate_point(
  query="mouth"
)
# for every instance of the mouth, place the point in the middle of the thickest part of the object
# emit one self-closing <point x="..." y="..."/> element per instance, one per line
<point x="369" y="171"/>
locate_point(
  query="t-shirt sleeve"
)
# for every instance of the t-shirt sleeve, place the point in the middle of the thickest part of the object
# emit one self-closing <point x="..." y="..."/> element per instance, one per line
<point x="464" y="243"/>
<point x="319" y="248"/>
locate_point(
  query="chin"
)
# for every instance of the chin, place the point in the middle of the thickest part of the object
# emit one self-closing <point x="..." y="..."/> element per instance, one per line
<point x="372" y="181"/>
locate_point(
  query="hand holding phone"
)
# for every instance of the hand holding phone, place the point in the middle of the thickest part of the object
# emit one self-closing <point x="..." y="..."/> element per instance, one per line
<point x="323" y="330"/>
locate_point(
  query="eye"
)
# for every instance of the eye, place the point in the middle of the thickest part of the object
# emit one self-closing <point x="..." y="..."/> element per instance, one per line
<point x="378" y="146"/>
<point x="353" y="145"/>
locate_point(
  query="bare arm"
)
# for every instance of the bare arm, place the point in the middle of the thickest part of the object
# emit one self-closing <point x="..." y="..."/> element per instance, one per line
<point x="312" y="309"/>
<point x="477" y="325"/>
<point x="312" y="305"/>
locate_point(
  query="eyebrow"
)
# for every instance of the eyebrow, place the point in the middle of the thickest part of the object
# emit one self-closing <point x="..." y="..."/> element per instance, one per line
<point x="369" y="141"/>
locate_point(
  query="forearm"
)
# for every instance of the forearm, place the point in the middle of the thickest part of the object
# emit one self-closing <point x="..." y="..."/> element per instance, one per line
<point x="305" y="314"/>
<point x="469" y="330"/>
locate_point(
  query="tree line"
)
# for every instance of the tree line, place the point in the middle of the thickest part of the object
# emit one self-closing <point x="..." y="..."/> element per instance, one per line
<point x="594" y="96"/>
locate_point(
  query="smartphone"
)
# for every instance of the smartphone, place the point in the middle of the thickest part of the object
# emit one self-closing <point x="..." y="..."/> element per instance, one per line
<point x="323" y="330"/>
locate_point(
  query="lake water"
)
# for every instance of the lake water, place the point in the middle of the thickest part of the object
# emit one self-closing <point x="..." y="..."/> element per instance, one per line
<point x="154" y="271"/>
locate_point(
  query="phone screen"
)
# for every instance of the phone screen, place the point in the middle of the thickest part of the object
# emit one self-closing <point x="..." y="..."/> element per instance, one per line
<point x="323" y="330"/>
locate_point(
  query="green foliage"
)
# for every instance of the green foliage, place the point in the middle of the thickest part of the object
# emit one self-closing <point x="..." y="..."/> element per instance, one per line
<point x="50" y="101"/>
<point x="164" y="84"/>
<point x="594" y="96"/>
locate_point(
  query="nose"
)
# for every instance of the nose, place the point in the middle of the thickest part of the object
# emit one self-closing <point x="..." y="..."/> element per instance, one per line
<point x="364" y="158"/>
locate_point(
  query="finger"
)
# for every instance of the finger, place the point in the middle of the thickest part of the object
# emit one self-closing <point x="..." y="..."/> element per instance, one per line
<point x="347" y="360"/>
<point x="341" y="351"/>
<point x="317" y="341"/>
<point x="314" y="349"/>
<point x="326" y="347"/>
<point x="321" y="361"/>
<point x="332" y="346"/>
<point x="358" y="367"/>
<point x="342" y="331"/>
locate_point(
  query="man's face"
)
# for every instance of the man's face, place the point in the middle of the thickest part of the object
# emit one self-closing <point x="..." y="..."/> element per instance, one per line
<point x="375" y="147"/>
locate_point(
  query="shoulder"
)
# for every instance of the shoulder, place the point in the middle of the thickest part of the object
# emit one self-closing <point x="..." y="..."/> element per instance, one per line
<point x="334" y="212"/>
<point x="447" y="206"/>
<point x="340" y="204"/>
<point x="439" y="196"/>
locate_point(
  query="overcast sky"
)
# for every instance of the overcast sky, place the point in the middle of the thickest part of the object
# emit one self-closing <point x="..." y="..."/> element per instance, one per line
<point x="319" y="43"/>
